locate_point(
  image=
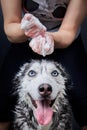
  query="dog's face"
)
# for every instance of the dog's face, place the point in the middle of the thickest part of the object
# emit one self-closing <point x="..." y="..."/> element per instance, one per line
<point x="40" y="82"/>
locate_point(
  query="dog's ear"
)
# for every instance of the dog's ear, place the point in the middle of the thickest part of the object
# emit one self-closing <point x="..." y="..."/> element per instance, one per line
<point x="22" y="71"/>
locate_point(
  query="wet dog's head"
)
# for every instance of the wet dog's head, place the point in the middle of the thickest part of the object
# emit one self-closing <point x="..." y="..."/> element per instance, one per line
<point x="40" y="83"/>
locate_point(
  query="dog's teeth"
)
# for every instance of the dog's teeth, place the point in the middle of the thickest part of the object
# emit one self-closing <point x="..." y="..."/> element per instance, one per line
<point x="54" y="110"/>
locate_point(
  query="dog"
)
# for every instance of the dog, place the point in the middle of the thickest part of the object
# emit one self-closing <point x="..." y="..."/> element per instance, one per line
<point x="42" y="97"/>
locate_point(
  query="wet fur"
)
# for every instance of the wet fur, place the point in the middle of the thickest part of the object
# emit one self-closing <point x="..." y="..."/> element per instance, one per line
<point x="24" y="111"/>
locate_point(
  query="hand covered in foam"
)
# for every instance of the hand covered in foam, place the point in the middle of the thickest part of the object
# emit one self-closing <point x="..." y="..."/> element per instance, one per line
<point x="32" y="26"/>
<point x="42" y="42"/>
<point x="42" y="45"/>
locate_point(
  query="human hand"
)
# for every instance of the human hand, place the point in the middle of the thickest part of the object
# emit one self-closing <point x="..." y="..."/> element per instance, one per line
<point x="42" y="45"/>
<point x="32" y="26"/>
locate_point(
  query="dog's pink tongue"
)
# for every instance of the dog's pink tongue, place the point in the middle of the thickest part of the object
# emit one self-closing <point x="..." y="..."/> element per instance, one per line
<point x="43" y="113"/>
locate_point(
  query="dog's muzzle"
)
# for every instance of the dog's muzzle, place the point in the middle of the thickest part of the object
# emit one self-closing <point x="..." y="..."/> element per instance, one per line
<point x="43" y="106"/>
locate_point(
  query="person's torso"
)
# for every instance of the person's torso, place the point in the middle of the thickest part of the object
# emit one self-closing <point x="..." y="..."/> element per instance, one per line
<point x="49" y="12"/>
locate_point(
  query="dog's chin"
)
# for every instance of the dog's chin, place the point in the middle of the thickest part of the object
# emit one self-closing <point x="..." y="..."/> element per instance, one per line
<point x="43" y="111"/>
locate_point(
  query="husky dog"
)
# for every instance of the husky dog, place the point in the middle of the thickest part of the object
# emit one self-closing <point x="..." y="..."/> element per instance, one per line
<point x="42" y="99"/>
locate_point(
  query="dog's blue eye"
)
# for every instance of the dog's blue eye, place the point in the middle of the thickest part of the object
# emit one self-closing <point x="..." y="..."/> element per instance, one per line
<point x="55" y="73"/>
<point x="32" y="73"/>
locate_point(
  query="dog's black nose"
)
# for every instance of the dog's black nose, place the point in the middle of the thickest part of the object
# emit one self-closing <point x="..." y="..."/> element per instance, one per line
<point x="45" y="89"/>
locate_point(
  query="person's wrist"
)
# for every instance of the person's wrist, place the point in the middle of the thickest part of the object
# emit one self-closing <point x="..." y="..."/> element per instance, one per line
<point x="63" y="38"/>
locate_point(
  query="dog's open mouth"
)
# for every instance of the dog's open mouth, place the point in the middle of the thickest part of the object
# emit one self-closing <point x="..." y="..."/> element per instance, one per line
<point x="43" y="110"/>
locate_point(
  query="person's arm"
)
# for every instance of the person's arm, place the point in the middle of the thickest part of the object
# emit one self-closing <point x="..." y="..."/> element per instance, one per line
<point x="74" y="16"/>
<point x="12" y="13"/>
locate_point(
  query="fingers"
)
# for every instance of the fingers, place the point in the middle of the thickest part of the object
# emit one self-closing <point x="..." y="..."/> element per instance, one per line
<point x="32" y="26"/>
<point x="49" y="44"/>
<point x="36" y="44"/>
<point x="42" y="45"/>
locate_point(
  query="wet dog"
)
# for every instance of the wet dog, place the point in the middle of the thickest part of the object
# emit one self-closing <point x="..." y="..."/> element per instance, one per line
<point x="42" y="103"/>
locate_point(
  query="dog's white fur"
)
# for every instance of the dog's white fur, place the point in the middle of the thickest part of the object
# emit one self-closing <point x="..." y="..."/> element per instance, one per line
<point x="28" y="80"/>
